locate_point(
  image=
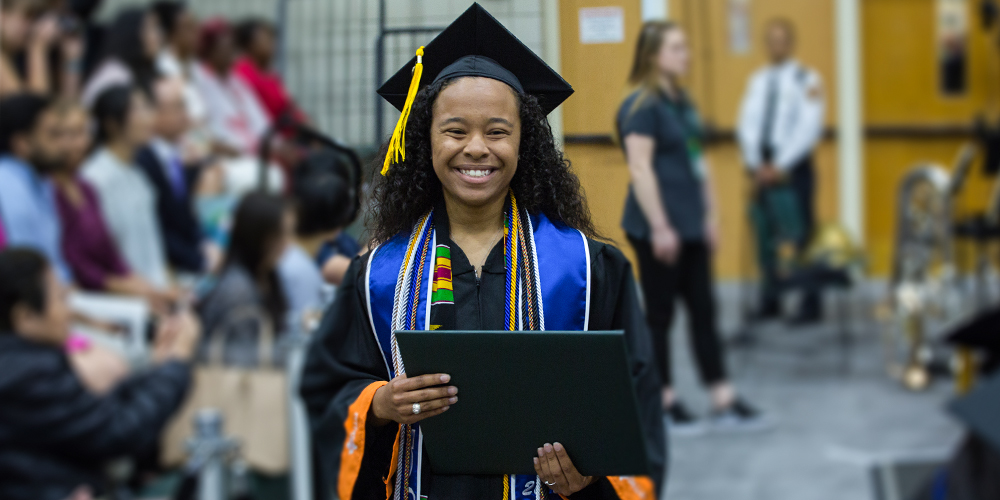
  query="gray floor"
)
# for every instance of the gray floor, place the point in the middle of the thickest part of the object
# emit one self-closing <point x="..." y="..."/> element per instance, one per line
<point x="833" y="421"/>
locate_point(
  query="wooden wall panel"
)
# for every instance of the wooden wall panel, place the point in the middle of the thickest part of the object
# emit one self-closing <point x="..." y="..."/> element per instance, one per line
<point x="900" y="68"/>
<point x="597" y="72"/>
<point x="719" y="76"/>
<point x="900" y="81"/>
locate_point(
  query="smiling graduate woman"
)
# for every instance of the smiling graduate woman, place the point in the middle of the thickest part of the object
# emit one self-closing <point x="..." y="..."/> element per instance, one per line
<point x="481" y="225"/>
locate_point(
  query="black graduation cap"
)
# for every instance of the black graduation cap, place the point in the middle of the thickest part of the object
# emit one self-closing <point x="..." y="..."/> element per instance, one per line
<point x="981" y="332"/>
<point x="475" y="44"/>
<point x="979" y="411"/>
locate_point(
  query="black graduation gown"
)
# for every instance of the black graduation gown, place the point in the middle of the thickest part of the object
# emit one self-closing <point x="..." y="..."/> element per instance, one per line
<point x="344" y="359"/>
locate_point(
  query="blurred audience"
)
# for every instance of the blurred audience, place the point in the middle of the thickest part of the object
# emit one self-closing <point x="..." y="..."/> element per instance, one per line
<point x="131" y="45"/>
<point x="90" y="250"/>
<point x="324" y="204"/>
<point x="248" y="289"/>
<point x="31" y="149"/>
<point x="177" y="58"/>
<point x="328" y="203"/>
<point x="99" y="369"/>
<point x="124" y="124"/>
<point x="256" y="38"/>
<point x="336" y="255"/>
<point x="236" y="117"/>
<point x="27" y="35"/>
<point x="78" y="19"/>
<point x="56" y="435"/>
<point x="172" y="177"/>
<point x="103" y="190"/>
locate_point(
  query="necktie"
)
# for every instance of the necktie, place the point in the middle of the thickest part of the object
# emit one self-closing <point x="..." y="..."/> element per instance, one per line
<point x="175" y="174"/>
<point x="770" y="105"/>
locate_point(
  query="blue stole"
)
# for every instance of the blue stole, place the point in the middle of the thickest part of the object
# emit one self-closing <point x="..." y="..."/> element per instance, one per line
<point x="563" y="271"/>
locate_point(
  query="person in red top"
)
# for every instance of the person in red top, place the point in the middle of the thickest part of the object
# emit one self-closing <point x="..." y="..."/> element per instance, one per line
<point x="256" y="40"/>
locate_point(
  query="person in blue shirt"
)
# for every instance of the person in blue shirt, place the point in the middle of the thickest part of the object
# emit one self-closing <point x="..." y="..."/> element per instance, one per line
<point x="31" y="148"/>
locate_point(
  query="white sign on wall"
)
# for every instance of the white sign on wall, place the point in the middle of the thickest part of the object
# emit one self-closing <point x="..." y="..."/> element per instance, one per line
<point x="602" y="25"/>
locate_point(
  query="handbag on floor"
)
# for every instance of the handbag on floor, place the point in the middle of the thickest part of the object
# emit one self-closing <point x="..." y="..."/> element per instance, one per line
<point x="252" y="400"/>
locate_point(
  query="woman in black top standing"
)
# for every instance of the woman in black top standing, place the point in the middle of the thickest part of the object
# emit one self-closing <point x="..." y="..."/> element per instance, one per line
<point x="670" y="219"/>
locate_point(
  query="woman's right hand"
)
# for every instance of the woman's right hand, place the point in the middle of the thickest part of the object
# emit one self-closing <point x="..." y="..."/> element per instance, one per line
<point x="666" y="245"/>
<point x="394" y="401"/>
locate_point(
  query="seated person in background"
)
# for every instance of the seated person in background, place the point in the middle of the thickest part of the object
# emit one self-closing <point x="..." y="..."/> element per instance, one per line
<point x="336" y="255"/>
<point x="332" y="208"/>
<point x="31" y="149"/>
<point x="55" y="434"/>
<point x="324" y="203"/>
<point x="263" y="226"/>
<point x="26" y="36"/>
<point x="90" y="250"/>
<point x="255" y="38"/>
<point x="236" y="117"/>
<point x="162" y="162"/>
<point x="177" y="57"/>
<point x="99" y="369"/>
<point x="131" y="44"/>
<point x="124" y="124"/>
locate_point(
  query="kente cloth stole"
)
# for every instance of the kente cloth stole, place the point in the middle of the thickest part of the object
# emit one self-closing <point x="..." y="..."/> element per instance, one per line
<point x="409" y="287"/>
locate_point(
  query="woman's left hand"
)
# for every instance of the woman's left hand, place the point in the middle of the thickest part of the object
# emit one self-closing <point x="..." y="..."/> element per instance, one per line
<point x="712" y="235"/>
<point x="557" y="471"/>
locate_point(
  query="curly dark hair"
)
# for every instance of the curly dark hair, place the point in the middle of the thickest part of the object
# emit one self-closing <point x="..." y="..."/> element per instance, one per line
<point x="544" y="181"/>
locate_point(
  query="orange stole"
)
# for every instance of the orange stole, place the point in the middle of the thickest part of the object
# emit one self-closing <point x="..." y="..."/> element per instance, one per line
<point x="633" y="487"/>
<point x="354" y="441"/>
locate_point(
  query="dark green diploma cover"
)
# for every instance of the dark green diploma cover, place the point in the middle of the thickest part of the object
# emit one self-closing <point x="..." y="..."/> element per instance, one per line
<point x="520" y="390"/>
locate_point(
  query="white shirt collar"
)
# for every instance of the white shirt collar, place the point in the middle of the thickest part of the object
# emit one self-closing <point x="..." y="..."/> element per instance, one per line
<point x="165" y="150"/>
<point x="785" y="65"/>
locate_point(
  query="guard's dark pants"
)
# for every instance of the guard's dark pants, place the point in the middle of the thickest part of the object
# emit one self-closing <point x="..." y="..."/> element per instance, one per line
<point x="802" y="179"/>
<point x="690" y="277"/>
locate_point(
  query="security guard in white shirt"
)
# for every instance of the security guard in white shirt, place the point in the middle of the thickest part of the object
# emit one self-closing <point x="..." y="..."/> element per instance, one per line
<point x="780" y="122"/>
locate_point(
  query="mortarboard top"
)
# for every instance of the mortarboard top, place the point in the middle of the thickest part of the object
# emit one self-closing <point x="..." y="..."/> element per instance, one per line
<point x="982" y="331"/>
<point x="475" y="44"/>
<point x="979" y="410"/>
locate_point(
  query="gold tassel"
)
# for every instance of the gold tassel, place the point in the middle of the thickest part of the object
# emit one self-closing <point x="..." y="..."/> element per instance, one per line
<point x="397" y="145"/>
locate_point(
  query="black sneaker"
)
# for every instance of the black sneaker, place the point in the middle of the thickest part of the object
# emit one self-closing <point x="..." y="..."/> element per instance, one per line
<point x="768" y="309"/>
<point x="804" y="319"/>
<point x="739" y="417"/>
<point x="682" y="422"/>
<point x="810" y="311"/>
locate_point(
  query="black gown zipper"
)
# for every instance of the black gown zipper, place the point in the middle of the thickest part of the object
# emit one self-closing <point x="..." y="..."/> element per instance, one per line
<point x="479" y="297"/>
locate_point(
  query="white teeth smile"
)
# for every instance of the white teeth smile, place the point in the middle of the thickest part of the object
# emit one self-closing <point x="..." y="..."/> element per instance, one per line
<point x="476" y="173"/>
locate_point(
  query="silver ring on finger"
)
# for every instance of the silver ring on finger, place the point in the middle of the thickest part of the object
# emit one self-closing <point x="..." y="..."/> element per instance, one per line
<point x="549" y="484"/>
<point x="416" y="408"/>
